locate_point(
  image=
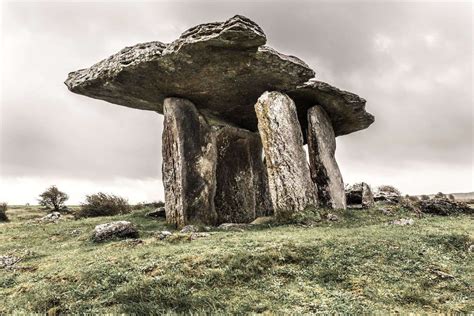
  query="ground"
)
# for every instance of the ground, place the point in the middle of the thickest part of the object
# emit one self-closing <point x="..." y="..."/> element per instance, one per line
<point x="357" y="264"/>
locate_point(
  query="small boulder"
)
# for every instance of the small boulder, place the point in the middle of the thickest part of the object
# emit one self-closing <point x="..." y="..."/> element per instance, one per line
<point x="120" y="229"/>
<point x="332" y="217"/>
<point x="233" y="226"/>
<point x="8" y="261"/>
<point x="164" y="234"/>
<point x="157" y="213"/>
<point x="387" y="194"/>
<point x="51" y="217"/>
<point x="199" y="235"/>
<point x="403" y="222"/>
<point x="262" y="220"/>
<point x="189" y="229"/>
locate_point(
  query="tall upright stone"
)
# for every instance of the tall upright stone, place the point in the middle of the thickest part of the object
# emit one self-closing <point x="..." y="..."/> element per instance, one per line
<point x="189" y="164"/>
<point x="240" y="193"/>
<point x="290" y="184"/>
<point x="323" y="165"/>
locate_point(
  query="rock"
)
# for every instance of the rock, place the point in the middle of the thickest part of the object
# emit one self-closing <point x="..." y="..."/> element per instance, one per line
<point x="222" y="68"/>
<point x="385" y="211"/>
<point x="189" y="229"/>
<point x="388" y="195"/>
<point x="290" y="185"/>
<point x="76" y="232"/>
<point x="199" y="235"/>
<point x="403" y="222"/>
<point x="159" y="212"/>
<point x="241" y="185"/>
<point x="8" y="261"/>
<point x="133" y="242"/>
<point x="189" y="164"/>
<point x="263" y="220"/>
<point x="471" y="248"/>
<point x="441" y="274"/>
<point x="325" y="172"/>
<point x="233" y="226"/>
<point x="164" y="234"/>
<point x="51" y="217"/>
<point x="359" y="194"/>
<point x="120" y="229"/>
<point x="332" y="217"/>
<point x="443" y="206"/>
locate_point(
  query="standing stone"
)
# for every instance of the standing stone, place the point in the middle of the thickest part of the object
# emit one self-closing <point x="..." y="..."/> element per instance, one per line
<point x="290" y="185"/>
<point x="239" y="193"/>
<point x="360" y="195"/>
<point x="189" y="164"/>
<point x="323" y="166"/>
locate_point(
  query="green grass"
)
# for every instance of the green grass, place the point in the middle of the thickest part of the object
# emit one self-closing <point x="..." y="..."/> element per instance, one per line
<point x="355" y="265"/>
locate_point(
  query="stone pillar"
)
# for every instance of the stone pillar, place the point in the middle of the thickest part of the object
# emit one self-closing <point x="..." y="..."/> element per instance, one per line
<point x="323" y="166"/>
<point x="290" y="185"/>
<point x="239" y="194"/>
<point x="189" y="164"/>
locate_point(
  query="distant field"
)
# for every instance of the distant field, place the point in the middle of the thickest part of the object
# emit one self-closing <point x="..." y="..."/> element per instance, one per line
<point x="356" y="265"/>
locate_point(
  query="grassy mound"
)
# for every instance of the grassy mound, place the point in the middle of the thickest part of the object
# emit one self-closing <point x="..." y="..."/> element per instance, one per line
<point x="357" y="264"/>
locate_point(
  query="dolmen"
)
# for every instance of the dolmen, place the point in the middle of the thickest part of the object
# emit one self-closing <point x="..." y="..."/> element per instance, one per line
<point x="237" y="114"/>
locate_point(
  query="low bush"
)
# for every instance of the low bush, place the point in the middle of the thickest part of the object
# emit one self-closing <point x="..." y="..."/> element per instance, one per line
<point x="3" y="212"/>
<point x="102" y="204"/>
<point x="148" y="205"/>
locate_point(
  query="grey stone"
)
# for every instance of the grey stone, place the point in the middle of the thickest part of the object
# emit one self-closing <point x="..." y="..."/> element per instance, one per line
<point x="8" y="261"/>
<point x="164" y="234"/>
<point x="241" y="186"/>
<point x="189" y="229"/>
<point x="159" y="212"/>
<point x="359" y="194"/>
<point x="233" y="226"/>
<point x="222" y="68"/>
<point x="403" y="222"/>
<point x="325" y="172"/>
<point x="120" y="229"/>
<point x="51" y="217"/>
<point x="332" y="217"/>
<point x="290" y="185"/>
<point x="263" y="220"/>
<point x="443" y="207"/>
<point x="189" y="164"/>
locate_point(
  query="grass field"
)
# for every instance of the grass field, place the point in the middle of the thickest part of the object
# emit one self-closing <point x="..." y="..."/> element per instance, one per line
<point x="358" y="264"/>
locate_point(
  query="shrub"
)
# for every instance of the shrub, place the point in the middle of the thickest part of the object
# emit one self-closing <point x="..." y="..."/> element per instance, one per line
<point x="3" y="212"/>
<point x="451" y="197"/>
<point x="412" y="198"/>
<point x="148" y="205"/>
<point x="424" y="197"/>
<point x="101" y="204"/>
<point x="389" y="189"/>
<point x="440" y="195"/>
<point x="53" y="199"/>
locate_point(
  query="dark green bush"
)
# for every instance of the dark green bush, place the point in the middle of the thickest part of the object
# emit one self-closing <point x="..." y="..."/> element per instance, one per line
<point x="3" y="212"/>
<point x="52" y="199"/>
<point x="102" y="204"/>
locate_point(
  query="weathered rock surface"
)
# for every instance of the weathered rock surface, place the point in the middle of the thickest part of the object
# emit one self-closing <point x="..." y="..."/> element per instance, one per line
<point x="222" y="68"/>
<point x="241" y="184"/>
<point x="7" y="261"/>
<point x="118" y="229"/>
<point x="443" y="206"/>
<point x="51" y="217"/>
<point x="325" y="172"/>
<point x="387" y="194"/>
<point x="402" y="222"/>
<point x="360" y="194"/>
<point x="189" y="164"/>
<point x="290" y="185"/>
<point x="233" y="226"/>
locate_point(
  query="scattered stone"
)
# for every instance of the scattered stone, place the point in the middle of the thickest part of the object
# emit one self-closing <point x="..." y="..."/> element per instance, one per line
<point x="133" y="242"/>
<point x="360" y="194"/>
<point x="8" y="261"/>
<point x="189" y="164"/>
<point x="444" y="207"/>
<point x="51" y="217"/>
<point x="325" y="172"/>
<point x="332" y="217"/>
<point x="403" y="222"/>
<point x="385" y="211"/>
<point x="387" y="194"/>
<point x="199" y="235"/>
<point x="76" y="232"/>
<point x="120" y="229"/>
<point x="233" y="226"/>
<point x="164" y="234"/>
<point x="471" y="248"/>
<point x="290" y="184"/>
<point x="159" y="212"/>
<point x="189" y="229"/>
<point x="262" y="220"/>
<point x="442" y="274"/>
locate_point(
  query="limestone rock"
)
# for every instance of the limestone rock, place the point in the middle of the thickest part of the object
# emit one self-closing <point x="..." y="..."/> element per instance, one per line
<point x="444" y="207"/>
<point x="189" y="229"/>
<point x="403" y="222"/>
<point x="51" y="217"/>
<point x="164" y="234"/>
<point x="241" y="187"/>
<point x="159" y="212"/>
<point x="263" y="220"/>
<point x="189" y="164"/>
<point x="360" y="194"/>
<point x="325" y="172"/>
<point x="120" y="229"/>
<point x="290" y="185"/>
<point x="233" y="226"/>
<point x="332" y="217"/>
<point x="222" y="68"/>
<point x="7" y="261"/>
<point x="387" y="194"/>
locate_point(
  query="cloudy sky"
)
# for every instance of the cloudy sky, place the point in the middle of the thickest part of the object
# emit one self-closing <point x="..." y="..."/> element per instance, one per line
<point x="412" y="61"/>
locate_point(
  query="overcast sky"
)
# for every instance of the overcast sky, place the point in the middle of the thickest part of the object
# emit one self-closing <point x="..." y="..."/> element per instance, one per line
<point x="411" y="61"/>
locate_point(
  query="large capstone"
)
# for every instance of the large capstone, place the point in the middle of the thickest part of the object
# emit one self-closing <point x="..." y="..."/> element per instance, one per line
<point x="290" y="185"/>
<point x="189" y="164"/>
<point x="324" y="169"/>
<point x="241" y="193"/>
<point x="222" y="68"/>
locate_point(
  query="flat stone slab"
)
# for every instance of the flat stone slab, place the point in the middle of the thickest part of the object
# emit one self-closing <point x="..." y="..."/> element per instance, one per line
<point x="222" y="68"/>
